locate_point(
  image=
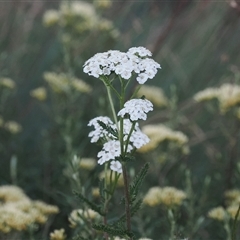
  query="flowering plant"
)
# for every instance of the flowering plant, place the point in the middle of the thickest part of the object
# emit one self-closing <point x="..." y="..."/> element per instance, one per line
<point x="121" y="137"/>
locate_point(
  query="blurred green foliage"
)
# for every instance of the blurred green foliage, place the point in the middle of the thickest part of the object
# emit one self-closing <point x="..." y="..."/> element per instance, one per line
<point x="197" y="45"/>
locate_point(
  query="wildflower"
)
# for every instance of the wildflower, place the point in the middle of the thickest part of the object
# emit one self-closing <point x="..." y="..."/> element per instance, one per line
<point x="18" y="211"/>
<point x="78" y="216"/>
<point x="58" y="82"/>
<point x="110" y="151"/>
<point x="232" y="196"/>
<point x="137" y="138"/>
<point x="116" y="166"/>
<point x="78" y="15"/>
<point x="152" y="198"/>
<point x="168" y="196"/>
<point x="87" y="163"/>
<point x="51" y="17"/>
<point x="8" y="83"/>
<point x="95" y="192"/>
<point x="229" y="96"/>
<point x="136" y="108"/>
<point x="232" y="211"/>
<point x="171" y="196"/>
<point x="159" y="133"/>
<point x="81" y="86"/>
<point x="13" y="127"/>
<point x="154" y="94"/>
<point x="39" y="93"/>
<point x="217" y="213"/>
<point x="206" y="95"/>
<point x="102" y="3"/>
<point x="99" y="132"/>
<point x="58" y="234"/>
<point x="123" y="64"/>
<point x="10" y="193"/>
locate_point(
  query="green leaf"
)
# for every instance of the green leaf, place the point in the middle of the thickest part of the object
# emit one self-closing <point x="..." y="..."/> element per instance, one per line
<point x="108" y="129"/>
<point x="112" y="230"/>
<point x="92" y="205"/>
<point x="137" y="182"/>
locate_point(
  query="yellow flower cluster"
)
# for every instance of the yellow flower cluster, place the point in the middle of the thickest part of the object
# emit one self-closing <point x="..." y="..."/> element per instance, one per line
<point x="78" y="216"/>
<point x="153" y="94"/>
<point x="18" y="212"/>
<point x="79" y="16"/>
<point x="102" y="3"/>
<point x="8" y="83"/>
<point x="39" y="93"/>
<point x="87" y="163"/>
<point x="61" y="83"/>
<point x="58" y="234"/>
<point x="167" y="196"/>
<point x="228" y="96"/>
<point x="217" y="213"/>
<point x="13" y="127"/>
<point x="159" y="133"/>
<point x="232" y="198"/>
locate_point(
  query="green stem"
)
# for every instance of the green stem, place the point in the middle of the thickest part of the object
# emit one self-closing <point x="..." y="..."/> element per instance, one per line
<point x="127" y="198"/>
<point x="128" y="138"/>
<point x="172" y="222"/>
<point x="227" y="228"/>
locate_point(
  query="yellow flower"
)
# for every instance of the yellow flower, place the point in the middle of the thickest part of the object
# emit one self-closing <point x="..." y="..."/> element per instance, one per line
<point x="232" y="210"/>
<point x="217" y="213"/>
<point x="87" y="163"/>
<point x="50" y="18"/>
<point x="81" y="86"/>
<point x="152" y="198"/>
<point x="232" y="196"/>
<point x="171" y="196"/>
<point x="58" y="234"/>
<point x="95" y="192"/>
<point x="168" y="196"/>
<point x="18" y="211"/>
<point x="102" y="3"/>
<point x="229" y="96"/>
<point x="7" y="82"/>
<point x="153" y="94"/>
<point x="39" y="93"/>
<point x="58" y="82"/>
<point x="159" y="133"/>
<point x="13" y="127"/>
<point x="206" y="95"/>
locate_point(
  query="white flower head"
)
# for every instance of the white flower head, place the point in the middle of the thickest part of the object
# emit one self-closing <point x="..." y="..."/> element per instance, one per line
<point x="116" y="166"/>
<point x="98" y="131"/>
<point x="137" y="138"/>
<point x="134" y="61"/>
<point x="110" y="151"/>
<point x="136" y="108"/>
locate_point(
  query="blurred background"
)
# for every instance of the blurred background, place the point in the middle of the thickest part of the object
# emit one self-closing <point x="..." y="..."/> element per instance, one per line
<point x="47" y="100"/>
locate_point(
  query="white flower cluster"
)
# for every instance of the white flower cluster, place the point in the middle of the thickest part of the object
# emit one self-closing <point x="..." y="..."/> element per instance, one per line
<point x="136" y="108"/>
<point x="135" y="60"/>
<point x="112" y="147"/>
<point x="98" y="131"/>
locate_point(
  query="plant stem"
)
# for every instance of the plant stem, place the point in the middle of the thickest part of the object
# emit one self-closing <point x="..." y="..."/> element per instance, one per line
<point x="127" y="198"/>
<point x="172" y="222"/>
